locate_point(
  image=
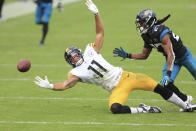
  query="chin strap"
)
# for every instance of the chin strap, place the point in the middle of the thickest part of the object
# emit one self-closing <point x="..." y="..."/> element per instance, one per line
<point x="79" y="62"/>
<point x="162" y="20"/>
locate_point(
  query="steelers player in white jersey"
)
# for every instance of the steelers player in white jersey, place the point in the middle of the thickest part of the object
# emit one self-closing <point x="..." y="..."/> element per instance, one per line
<point x="92" y="68"/>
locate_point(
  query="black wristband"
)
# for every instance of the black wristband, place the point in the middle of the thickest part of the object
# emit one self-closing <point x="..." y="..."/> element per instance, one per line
<point x="129" y="56"/>
<point x="169" y="73"/>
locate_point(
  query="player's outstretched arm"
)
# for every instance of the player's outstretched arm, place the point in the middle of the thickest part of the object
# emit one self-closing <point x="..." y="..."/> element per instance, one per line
<point x="58" y="86"/>
<point x="120" y="52"/>
<point x="141" y="56"/>
<point x="99" y="25"/>
<point x="167" y="46"/>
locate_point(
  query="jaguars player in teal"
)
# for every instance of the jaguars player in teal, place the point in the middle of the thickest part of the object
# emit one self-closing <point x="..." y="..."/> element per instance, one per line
<point x="42" y="16"/>
<point x="160" y="37"/>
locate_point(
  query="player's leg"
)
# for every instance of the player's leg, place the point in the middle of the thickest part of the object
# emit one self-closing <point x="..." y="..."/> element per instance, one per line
<point x="1" y="5"/>
<point x="169" y="96"/>
<point x="47" y="12"/>
<point x="44" y="32"/>
<point x="118" y="108"/>
<point x="38" y="14"/>
<point x="190" y="63"/>
<point x="118" y="98"/>
<point x="184" y="97"/>
<point x="171" y="86"/>
<point x="120" y="95"/>
<point x="173" y="98"/>
<point x="144" y="82"/>
<point x="46" y="19"/>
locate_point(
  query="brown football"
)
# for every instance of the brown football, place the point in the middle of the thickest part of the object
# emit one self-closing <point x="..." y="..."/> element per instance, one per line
<point x="24" y="65"/>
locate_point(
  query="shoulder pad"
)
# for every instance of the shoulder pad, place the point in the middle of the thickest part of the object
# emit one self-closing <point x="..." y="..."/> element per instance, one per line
<point x="158" y="28"/>
<point x="159" y="31"/>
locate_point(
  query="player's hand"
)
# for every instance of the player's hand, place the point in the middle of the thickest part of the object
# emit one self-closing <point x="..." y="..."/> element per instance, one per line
<point x="165" y="81"/>
<point x="60" y="6"/>
<point x="120" y="52"/>
<point x="92" y="7"/>
<point x="43" y="83"/>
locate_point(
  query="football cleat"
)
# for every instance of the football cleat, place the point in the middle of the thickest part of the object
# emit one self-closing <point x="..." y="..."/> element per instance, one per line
<point x="189" y="108"/>
<point x="150" y="109"/>
<point x="189" y="99"/>
<point x="41" y="44"/>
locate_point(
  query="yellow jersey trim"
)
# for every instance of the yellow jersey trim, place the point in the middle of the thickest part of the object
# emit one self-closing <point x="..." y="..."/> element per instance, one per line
<point x="92" y="44"/>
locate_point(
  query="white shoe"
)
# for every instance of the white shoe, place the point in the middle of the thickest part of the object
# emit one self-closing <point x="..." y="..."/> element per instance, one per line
<point x="150" y="109"/>
<point x="189" y="99"/>
<point x="189" y="108"/>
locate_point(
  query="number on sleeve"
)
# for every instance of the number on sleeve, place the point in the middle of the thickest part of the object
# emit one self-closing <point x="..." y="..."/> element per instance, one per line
<point x="175" y="36"/>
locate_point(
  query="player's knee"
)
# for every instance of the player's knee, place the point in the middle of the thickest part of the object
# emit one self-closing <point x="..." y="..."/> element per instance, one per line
<point x="116" y="108"/>
<point x="46" y="21"/>
<point x="37" y="22"/>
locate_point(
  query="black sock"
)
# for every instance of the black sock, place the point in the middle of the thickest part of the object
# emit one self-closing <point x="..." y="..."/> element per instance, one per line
<point x="164" y="92"/>
<point x="44" y="31"/>
<point x="173" y="88"/>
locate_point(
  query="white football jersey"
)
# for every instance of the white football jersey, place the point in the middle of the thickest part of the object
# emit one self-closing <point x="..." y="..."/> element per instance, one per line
<point x="96" y="70"/>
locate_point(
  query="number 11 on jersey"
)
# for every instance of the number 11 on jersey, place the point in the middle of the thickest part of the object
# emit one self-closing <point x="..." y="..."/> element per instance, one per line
<point x="96" y="71"/>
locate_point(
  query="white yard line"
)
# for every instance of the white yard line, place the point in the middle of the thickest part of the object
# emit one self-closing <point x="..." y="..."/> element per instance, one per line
<point x="74" y="99"/>
<point x="186" y="82"/>
<point x="27" y="79"/>
<point x="20" y="8"/>
<point x="95" y="123"/>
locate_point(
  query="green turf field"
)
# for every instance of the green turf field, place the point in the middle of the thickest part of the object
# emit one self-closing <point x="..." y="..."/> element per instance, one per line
<point x="9" y="1"/>
<point x="26" y="107"/>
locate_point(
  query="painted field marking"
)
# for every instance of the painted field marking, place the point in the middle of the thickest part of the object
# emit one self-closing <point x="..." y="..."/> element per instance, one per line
<point x="95" y="123"/>
<point x="75" y="99"/>
<point x="27" y="79"/>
